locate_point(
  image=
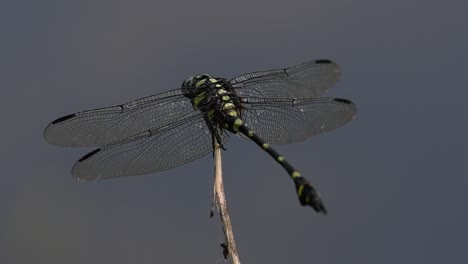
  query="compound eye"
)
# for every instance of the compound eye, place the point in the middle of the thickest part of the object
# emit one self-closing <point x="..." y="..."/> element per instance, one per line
<point x="189" y="82"/>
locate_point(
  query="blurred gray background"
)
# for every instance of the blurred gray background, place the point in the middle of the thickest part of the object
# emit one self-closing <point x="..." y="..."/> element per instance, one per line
<point x="394" y="180"/>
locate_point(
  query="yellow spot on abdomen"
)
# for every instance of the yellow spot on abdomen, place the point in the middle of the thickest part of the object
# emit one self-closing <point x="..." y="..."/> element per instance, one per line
<point x="299" y="191"/>
<point x="295" y="174"/>
<point x="250" y="133"/>
<point x="280" y="158"/>
<point x="237" y="123"/>
<point x="265" y="146"/>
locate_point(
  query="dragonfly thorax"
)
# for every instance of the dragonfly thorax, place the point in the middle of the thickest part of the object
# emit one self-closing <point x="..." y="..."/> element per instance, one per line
<point x="213" y="96"/>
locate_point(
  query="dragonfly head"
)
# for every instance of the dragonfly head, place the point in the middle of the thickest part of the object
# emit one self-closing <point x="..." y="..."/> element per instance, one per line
<point x="196" y="81"/>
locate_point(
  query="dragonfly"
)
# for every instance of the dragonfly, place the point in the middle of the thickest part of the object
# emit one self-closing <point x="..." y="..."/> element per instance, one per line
<point x="172" y="128"/>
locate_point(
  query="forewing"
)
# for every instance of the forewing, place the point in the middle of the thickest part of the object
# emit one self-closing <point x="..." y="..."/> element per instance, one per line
<point x="306" y="80"/>
<point x="284" y="121"/>
<point x="148" y="152"/>
<point x="102" y="126"/>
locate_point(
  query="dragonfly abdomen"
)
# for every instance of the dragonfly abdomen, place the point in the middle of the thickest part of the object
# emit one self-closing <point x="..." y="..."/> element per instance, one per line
<point x="305" y="192"/>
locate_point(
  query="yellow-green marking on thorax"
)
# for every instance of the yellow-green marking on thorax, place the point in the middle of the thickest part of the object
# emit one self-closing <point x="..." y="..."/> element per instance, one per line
<point x="200" y="97"/>
<point x="200" y="83"/>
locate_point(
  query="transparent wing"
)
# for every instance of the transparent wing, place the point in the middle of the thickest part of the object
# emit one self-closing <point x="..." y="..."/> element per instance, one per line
<point x="284" y="121"/>
<point x="150" y="151"/>
<point x="306" y="80"/>
<point x="102" y="126"/>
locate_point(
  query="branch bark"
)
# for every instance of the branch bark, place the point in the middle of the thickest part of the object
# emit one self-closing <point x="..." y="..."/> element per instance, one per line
<point x="221" y="204"/>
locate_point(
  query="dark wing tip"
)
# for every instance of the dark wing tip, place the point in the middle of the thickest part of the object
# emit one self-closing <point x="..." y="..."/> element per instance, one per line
<point x="48" y="133"/>
<point x="87" y="156"/>
<point x="63" y="118"/>
<point x="77" y="173"/>
<point x="351" y="106"/>
<point x="344" y="101"/>
<point x="323" y="61"/>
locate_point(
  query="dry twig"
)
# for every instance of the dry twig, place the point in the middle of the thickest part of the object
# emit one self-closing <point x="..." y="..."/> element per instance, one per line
<point x="229" y="248"/>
